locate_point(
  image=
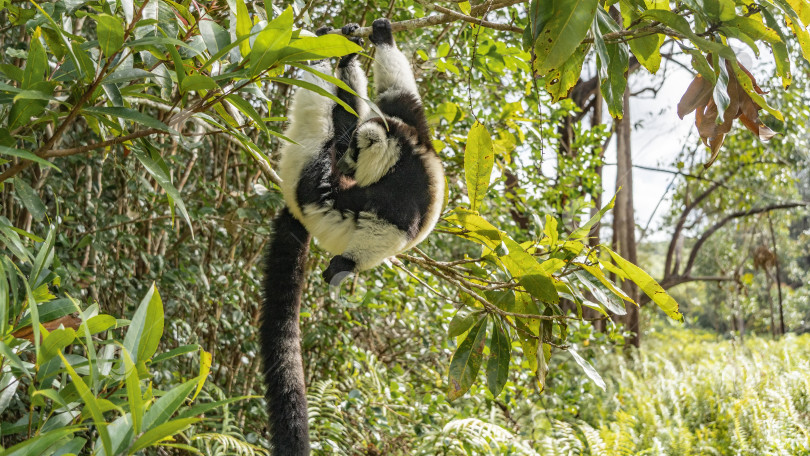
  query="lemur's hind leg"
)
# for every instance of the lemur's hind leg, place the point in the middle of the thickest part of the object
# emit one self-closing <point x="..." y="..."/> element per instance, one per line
<point x="392" y="71"/>
<point x="350" y="72"/>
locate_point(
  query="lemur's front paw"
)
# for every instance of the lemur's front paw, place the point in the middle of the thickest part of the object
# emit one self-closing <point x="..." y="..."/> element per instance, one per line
<point x="347" y="31"/>
<point x="339" y="268"/>
<point x="323" y="30"/>
<point x="381" y="32"/>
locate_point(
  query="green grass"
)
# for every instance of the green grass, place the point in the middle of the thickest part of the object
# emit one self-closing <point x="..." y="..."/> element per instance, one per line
<point x="687" y="393"/>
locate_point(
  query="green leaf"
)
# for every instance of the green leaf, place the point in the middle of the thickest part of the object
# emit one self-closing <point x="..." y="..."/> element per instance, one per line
<point x="326" y="77"/>
<point x="317" y="89"/>
<point x="589" y="370"/>
<point x="562" y="34"/>
<point x="243" y="26"/>
<point x="321" y="47"/>
<point x="680" y="24"/>
<point x="92" y="405"/>
<point x="529" y="273"/>
<point x="24" y="154"/>
<point x="200" y="409"/>
<point x="461" y="322"/>
<point x="270" y="41"/>
<point x="181" y="350"/>
<point x="98" y="323"/>
<point x="36" y="65"/>
<point x="584" y="230"/>
<point x="55" y="342"/>
<point x="38" y="444"/>
<point x="720" y="10"/>
<point x="478" y="160"/>
<point x="470" y="225"/>
<point x="562" y="79"/>
<point x="49" y="311"/>
<point x="214" y="36"/>
<point x="205" y="368"/>
<point x="134" y="394"/>
<point x="720" y="92"/>
<point x="161" y="432"/>
<point x="466" y="360"/>
<point x="30" y="199"/>
<point x="647" y="50"/>
<point x="648" y="285"/>
<point x="4" y="300"/>
<point x="110" y="34"/>
<point x="163" y="179"/>
<point x="126" y="75"/>
<point x="500" y="352"/>
<point x="247" y="109"/>
<point x="146" y="327"/>
<point x="164" y="408"/>
<point x="612" y="61"/>
<point x="128" y="114"/>
<point x="197" y="82"/>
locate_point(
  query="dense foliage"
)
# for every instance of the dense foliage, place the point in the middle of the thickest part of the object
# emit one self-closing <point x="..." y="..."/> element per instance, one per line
<point x="137" y="161"/>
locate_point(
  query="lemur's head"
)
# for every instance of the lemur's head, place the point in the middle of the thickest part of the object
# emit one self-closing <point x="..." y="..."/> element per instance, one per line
<point x="375" y="148"/>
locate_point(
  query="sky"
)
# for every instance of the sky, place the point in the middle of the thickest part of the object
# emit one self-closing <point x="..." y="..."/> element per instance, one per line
<point x="658" y="136"/>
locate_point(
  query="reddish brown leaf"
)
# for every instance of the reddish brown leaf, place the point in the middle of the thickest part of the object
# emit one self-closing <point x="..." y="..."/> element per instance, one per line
<point x="68" y="321"/>
<point x="698" y="98"/>
<point x="697" y="94"/>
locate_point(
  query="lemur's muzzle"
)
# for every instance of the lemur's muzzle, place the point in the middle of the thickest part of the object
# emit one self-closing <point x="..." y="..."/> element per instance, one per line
<point x="345" y="164"/>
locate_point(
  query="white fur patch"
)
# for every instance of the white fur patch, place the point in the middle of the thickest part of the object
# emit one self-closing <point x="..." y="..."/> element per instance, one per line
<point x="393" y="71"/>
<point x="374" y="241"/>
<point x="376" y="154"/>
<point x="435" y="172"/>
<point x="367" y="241"/>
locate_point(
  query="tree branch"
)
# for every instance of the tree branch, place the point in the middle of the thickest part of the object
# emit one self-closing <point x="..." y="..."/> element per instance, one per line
<point x="448" y="16"/>
<point x="757" y="210"/>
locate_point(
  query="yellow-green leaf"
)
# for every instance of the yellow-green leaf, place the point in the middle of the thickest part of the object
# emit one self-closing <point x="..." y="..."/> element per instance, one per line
<point x="110" y="33"/>
<point x="478" y="160"/>
<point x="648" y="285"/>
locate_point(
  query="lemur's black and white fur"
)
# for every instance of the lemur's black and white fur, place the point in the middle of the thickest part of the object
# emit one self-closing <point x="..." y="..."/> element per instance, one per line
<point x="365" y="188"/>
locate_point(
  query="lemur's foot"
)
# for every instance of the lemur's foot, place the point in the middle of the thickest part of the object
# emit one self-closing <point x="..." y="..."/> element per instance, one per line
<point x="348" y="30"/>
<point x="323" y="30"/>
<point x="381" y="32"/>
<point x="339" y="268"/>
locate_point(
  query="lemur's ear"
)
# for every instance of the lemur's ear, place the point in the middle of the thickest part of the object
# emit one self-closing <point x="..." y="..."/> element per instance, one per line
<point x="370" y="133"/>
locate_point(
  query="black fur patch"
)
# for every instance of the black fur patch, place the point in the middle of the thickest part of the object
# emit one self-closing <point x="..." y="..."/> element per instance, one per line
<point x="408" y="108"/>
<point x="284" y="275"/>
<point x="381" y="32"/>
<point x="402" y="197"/>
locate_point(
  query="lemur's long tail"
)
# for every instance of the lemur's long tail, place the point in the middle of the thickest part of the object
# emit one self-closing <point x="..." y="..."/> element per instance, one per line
<point x="281" y="349"/>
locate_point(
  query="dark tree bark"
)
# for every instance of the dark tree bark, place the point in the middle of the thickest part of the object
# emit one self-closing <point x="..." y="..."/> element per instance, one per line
<point x="624" y="226"/>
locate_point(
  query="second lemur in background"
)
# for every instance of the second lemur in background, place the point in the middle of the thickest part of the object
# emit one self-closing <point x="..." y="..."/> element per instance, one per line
<point x="364" y="193"/>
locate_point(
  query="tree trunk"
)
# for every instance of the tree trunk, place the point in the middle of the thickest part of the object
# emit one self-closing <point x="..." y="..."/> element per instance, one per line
<point x="624" y="227"/>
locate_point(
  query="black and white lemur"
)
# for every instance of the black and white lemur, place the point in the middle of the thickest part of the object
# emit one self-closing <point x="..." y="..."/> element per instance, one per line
<point x="365" y="188"/>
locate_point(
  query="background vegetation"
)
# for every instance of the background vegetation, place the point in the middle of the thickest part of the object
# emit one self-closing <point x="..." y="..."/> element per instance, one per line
<point x="137" y="154"/>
